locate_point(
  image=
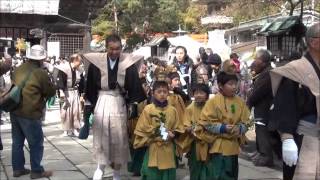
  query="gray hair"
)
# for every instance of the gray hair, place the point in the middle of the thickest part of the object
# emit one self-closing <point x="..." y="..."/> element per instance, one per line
<point x="74" y="57"/>
<point x="313" y="31"/>
<point x="264" y="55"/>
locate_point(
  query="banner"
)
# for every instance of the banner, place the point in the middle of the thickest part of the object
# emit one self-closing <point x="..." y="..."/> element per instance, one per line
<point x="44" y="7"/>
<point x="53" y="49"/>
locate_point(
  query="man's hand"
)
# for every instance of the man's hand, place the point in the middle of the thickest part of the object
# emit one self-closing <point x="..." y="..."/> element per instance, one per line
<point x="66" y="104"/>
<point x="81" y="99"/>
<point x="289" y="152"/>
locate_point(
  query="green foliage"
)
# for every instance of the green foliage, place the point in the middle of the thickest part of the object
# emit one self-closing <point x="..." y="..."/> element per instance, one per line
<point x="244" y="10"/>
<point x="162" y="15"/>
<point x="166" y="15"/>
<point x="166" y="18"/>
<point x="161" y="118"/>
<point x="134" y="5"/>
<point x="133" y="40"/>
<point x="192" y="17"/>
<point x="103" y="28"/>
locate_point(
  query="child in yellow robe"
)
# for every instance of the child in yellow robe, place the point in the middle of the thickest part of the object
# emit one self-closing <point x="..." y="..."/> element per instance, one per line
<point x="223" y="122"/>
<point x="157" y="128"/>
<point x="134" y="166"/>
<point x="196" y="149"/>
<point x="174" y="98"/>
<point x="137" y="154"/>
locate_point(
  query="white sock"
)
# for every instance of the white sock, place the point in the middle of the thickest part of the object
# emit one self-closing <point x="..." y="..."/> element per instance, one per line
<point x="99" y="172"/>
<point x="116" y="175"/>
<point x="65" y="133"/>
<point x="75" y="132"/>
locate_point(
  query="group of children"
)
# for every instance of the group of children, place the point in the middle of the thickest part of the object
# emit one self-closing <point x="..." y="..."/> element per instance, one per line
<point x="208" y="131"/>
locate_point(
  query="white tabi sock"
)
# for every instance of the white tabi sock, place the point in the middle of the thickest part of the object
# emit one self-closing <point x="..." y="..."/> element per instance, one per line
<point x="99" y="172"/>
<point x="116" y="175"/>
<point x="75" y="132"/>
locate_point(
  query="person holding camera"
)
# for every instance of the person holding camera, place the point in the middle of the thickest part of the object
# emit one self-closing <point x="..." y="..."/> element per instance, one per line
<point x="26" y="119"/>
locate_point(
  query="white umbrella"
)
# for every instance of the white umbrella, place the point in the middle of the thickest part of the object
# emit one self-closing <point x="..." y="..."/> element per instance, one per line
<point x="218" y="45"/>
<point x="190" y="44"/>
<point x="144" y="51"/>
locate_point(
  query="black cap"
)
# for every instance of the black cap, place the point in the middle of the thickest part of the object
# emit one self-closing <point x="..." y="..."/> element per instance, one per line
<point x="214" y="59"/>
<point x="173" y="75"/>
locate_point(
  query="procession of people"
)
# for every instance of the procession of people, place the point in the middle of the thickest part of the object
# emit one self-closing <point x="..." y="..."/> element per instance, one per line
<point x="145" y="115"/>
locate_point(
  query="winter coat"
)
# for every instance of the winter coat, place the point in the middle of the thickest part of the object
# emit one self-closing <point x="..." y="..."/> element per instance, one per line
<point x="261" y="96"/>
<point x="35" y="92"/>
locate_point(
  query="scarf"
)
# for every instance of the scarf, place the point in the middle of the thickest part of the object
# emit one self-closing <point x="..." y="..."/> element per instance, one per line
<point x="158" y="103"/>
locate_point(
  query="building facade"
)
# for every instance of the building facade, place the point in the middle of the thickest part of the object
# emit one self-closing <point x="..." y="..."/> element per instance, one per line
<point x="63" y="22"/>
<point x="243" y="38"/>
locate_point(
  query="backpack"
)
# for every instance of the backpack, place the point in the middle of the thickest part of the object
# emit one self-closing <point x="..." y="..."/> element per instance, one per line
<point x="10" y="100"/>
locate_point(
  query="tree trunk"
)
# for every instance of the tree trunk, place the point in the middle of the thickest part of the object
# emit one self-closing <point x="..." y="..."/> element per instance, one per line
<point x="292" y="6"/>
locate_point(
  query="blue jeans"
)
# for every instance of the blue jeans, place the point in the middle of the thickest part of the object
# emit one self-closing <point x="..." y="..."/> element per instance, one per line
<point x="23" y="128"/>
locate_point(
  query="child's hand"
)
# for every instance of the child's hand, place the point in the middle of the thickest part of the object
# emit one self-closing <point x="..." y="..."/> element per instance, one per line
<point x="236" y="130"/>
<point x="189" y="129"/>
<point x="171" y="134"/>
<point x="229" y="128"/>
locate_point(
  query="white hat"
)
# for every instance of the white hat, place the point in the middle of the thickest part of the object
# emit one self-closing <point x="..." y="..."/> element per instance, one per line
<point x="37" y="52"/>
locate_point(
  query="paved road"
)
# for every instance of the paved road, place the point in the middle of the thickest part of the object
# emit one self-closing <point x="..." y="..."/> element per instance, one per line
<point x="70" y="158"/>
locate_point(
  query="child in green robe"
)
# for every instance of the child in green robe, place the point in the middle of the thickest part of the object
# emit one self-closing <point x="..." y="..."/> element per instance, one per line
<point x="196" y="149"/>
<point x="137" y="155"/>
<point x="224" y="120"/>
<point x="156" y="129"/>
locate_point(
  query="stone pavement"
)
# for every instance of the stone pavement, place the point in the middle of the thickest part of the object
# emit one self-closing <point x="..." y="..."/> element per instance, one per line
<point x="70" y="158"/>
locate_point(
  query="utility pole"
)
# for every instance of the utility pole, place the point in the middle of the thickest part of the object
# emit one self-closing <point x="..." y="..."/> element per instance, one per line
<point x="313" y="10"/>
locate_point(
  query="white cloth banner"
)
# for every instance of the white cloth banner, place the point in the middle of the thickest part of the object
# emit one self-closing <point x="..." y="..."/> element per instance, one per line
<point x="53" y="49"/>
<point x="45" y="7"/>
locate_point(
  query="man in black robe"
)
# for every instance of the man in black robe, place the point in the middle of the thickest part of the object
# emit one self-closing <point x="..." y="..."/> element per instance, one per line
<point x="295" y="113"/>
<point x="112" y="83"/>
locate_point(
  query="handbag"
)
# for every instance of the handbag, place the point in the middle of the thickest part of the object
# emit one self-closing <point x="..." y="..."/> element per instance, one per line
<point x="10" y="100"/>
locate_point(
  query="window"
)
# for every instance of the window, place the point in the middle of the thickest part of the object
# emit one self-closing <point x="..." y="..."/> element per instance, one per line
<point x="69" y="43"/>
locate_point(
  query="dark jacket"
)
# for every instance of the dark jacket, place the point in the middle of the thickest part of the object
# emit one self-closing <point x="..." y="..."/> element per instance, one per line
<point x="188" y="61"/>
<point x="189" y="70"/>
<point x="260" y="97"/>
<point x="35" y="92"/>
<point x="5" y="66"/>
<point x="293" y="102"/>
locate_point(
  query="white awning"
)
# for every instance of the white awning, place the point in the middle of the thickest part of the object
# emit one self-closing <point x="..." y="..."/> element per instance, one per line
<point x="190" y="44"/>
<point x="44" y="7"/>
